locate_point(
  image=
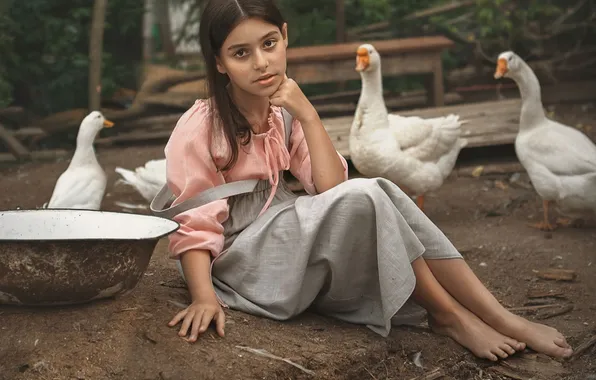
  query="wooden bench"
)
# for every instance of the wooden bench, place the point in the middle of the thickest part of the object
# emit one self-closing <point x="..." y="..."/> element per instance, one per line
<point x="336" y="62"/>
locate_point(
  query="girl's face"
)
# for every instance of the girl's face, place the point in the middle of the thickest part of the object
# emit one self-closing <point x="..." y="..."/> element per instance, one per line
<point x="254" y="57"/>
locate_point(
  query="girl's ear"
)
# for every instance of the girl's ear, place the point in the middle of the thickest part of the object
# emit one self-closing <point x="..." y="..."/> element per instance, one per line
<point x="220" y="66"/>
<point x="284" y="33"/>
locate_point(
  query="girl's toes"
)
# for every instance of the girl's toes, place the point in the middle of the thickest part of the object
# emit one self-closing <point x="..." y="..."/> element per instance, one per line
<point x="508" y="349"/>
<point x="518" y="346"/>
<point x="500" y="353"/>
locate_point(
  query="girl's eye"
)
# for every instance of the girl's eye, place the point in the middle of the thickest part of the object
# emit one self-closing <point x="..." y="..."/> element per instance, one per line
<point x="240" y="53"/>
<point x="270" y="43"/>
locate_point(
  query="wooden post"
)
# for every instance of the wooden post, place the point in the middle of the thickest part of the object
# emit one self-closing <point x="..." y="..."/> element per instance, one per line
<point x="162" y="8"/>
<point x="340" y="31"/>
<point x="340" y="21"/>
<point x="95" y="53"/>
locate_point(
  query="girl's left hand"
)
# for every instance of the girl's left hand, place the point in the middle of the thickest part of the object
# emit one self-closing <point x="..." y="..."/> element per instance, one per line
<point x="289" y="96"/>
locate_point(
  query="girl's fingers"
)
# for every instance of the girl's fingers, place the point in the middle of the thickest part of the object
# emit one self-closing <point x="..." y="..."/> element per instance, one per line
<point x="177" y="318"/>
<point x="186" y="324"/>
<point x="196" y="324"/>
<point x="220" y="322"/>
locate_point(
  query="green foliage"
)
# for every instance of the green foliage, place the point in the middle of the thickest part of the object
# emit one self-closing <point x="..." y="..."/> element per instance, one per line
<point x="538" y="28"/>
<point x="48" y="55"/>
<point x="312" y="22"/>
<point x="6" y="47"/>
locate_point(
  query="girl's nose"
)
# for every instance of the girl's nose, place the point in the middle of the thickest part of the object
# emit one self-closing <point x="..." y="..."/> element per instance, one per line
<point x="260" y="61"/>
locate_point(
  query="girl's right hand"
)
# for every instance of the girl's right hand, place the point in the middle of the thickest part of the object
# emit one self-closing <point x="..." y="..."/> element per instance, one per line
<point x="198" y="316"/>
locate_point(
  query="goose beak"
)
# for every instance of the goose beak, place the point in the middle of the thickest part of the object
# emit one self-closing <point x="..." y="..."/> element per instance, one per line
<point x="108" y="124"/>
<point x="502" y="68"/>
<point x="362" y="59"/>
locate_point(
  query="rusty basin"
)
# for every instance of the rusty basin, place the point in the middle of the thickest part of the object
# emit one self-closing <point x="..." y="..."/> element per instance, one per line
<point x="60" y="257"/>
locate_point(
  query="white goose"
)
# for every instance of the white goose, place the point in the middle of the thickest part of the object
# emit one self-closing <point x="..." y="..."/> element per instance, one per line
<point x="83" y="184"/>
<point x="415" y="153"/>
<point x="560" y="160"/>
<point x="147" y="180"/>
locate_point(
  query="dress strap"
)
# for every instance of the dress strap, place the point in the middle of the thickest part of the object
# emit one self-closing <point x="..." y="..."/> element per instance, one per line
<point x="226" y="190"/>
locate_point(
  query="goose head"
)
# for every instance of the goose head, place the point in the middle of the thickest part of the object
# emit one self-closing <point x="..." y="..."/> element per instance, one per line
<point x="508" y="65"/>
<point x="92" y="124"/>
<point x="90" y="127"/>
<point x="367" y="58"/>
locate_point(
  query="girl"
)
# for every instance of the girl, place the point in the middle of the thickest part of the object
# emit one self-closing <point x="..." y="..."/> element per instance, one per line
<point x="356" y="250"/>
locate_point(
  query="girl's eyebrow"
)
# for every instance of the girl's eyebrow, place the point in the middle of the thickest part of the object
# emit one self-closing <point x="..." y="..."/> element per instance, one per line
<point x="273" y="32"/>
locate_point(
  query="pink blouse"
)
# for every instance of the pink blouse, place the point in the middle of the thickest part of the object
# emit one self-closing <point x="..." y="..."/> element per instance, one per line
<point x="195" y="150"/>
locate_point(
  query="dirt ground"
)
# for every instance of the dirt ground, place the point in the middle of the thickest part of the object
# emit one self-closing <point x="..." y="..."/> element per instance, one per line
<point x="127" y="338"/>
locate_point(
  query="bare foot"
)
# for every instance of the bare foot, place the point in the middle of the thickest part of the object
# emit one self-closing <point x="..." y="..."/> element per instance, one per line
<point x="540" y="338"/>
<point x="471" y="332"/>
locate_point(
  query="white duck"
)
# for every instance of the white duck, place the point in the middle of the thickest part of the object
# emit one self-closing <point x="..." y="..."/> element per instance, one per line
<point x="560" y="160"/>
<point x="148" y="179"/>
<point x="83" y="184"/>
<point x="415" y="153"/>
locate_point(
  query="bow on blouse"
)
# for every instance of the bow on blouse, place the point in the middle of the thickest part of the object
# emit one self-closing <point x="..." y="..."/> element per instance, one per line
<point x="274" y="142"/>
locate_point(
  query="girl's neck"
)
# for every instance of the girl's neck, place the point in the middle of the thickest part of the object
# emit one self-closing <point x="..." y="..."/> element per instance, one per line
<point x="255" y="109"/>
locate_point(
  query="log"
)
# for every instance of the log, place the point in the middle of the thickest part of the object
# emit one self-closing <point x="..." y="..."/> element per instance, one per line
<point x="134" y="137"/>
<point x="71" y="119"/>
<point x="37" y="155"/>
<point x="151" y="122"/>
<point x="16" y="148"/>
<point x="557" y="274"/>
<point x="26" y="132"/>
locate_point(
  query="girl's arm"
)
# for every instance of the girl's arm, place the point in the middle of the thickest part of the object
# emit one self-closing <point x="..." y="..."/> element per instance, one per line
<point x="327" y="168"/>
<point x="196" y="264"/>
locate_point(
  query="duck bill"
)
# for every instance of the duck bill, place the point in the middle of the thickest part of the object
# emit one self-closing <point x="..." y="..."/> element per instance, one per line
<point x="502" y="68"/>
<point x="362" y="60"/>
<point x="108" y="124"/>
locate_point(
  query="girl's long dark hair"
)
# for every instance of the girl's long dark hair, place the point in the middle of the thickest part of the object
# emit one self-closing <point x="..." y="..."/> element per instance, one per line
<point x="217" y="21"/>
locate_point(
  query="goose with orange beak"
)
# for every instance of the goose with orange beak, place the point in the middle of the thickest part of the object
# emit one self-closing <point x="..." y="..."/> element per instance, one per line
<point x="83" y="184"/>
<point x="416" y="154"/>
<point x="560" y="160"/>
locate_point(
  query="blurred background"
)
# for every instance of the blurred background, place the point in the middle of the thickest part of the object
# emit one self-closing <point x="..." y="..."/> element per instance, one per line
<point x="46" y="47"/>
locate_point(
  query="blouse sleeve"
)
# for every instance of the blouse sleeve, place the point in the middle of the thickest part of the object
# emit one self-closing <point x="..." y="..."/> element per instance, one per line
<point x="300" y="159"/>
<point x="189" y="171"/>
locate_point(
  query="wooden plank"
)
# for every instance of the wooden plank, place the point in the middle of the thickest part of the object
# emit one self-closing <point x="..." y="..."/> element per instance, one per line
<point x="488" y="123"/>
<point x="14" y="145"/>
<point x="344" y="69"/>
<point x="392" y="102"/>
<point x="333" y="52"/>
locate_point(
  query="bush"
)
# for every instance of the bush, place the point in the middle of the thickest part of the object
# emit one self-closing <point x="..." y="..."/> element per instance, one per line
<point x="45" y="62"/>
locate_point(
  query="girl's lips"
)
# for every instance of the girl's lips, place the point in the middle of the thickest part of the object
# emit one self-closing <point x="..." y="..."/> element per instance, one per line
<point x="267" y="80"/>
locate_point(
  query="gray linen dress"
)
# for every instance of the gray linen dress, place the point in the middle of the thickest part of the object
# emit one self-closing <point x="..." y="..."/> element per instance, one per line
<point x="345" y="253"/>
